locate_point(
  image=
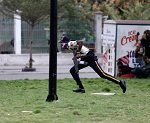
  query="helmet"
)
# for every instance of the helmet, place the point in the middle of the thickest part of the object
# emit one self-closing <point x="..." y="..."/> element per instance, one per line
<point x="64" y="39"/>
<point x="72" y="45"/>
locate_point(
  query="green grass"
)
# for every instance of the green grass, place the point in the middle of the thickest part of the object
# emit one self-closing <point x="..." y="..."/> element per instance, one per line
<point x="29" y="95"/>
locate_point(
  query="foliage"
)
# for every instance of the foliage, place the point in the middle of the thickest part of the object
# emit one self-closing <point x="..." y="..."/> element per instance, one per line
<point x="24" y="101"/>
<point x="76" y="16"/>
<point x="126" y="9"/>
<point x="137" y="11"/>
<point x="31" y="11"/>
<point x="109" y="9"/>
<point x="76" y="19"/>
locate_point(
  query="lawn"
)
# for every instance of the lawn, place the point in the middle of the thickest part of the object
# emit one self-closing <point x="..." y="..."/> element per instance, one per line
<point x="24" y="101"/>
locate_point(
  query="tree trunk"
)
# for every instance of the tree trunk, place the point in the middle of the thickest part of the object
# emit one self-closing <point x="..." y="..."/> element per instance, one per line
<point x="30" y="45"/>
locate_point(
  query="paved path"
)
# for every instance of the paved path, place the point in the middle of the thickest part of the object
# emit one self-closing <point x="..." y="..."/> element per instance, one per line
<point x="42" y="72"/>
<point x="12" y="69"/>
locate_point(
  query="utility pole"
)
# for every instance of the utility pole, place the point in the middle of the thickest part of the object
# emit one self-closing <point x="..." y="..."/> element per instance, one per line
<point x="52" y="95"/>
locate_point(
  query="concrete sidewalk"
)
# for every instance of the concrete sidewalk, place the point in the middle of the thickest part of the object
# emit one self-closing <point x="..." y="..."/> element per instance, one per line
<point x="11" y="67"/>
<point x="42" y="72"/>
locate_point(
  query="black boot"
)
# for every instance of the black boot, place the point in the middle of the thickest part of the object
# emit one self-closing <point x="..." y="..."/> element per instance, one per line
<point x="123" y="85"/>
<point x="79" y="90"/>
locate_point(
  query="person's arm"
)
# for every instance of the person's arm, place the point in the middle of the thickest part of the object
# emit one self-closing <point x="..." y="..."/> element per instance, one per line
<point x="75" y="61"/>
<point x="79" y="55"/>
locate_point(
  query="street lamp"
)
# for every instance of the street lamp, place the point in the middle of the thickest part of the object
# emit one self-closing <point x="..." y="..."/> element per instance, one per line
<point x="52" y="95"/>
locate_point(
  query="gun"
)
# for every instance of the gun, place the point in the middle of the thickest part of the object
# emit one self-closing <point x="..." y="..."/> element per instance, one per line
<point x="75" y="61"/>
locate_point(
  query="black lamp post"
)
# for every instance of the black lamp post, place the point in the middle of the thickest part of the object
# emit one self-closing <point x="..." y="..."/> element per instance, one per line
<point x="52" y="95"/>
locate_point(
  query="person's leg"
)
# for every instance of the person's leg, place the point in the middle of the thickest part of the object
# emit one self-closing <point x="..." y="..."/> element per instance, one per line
<point x="97" y="68"/>
<point x="76" y="77"/>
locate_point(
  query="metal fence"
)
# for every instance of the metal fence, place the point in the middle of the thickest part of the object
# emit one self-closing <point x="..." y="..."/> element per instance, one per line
<point x="39" y="43"/>
<point x="40" y="36"/>
<point x="6" y="35"/>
